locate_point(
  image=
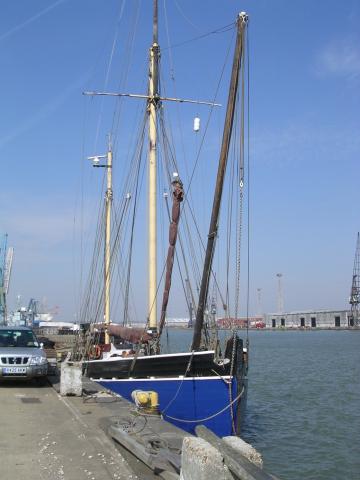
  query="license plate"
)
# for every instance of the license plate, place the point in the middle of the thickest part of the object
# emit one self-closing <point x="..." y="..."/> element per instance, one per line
<point x="14" y="370"/>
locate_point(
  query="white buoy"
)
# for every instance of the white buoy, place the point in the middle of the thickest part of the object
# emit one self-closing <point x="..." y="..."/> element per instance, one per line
<point x="196" y="124"/>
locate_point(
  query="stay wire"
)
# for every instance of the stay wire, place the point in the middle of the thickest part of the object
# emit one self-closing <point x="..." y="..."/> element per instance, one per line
<point x="131" y="183"/>
<point x="188" y="193"/>
<point x="179" y="239"/>
<point x="248" y="181"/>
<point x="185" y="16"/>
<point x="209" y="116"/>
<point x="170" y="154"/>
<point x="125" y="73"/>
<point x="107" y="75"/>
<point x="184" y="214"/>
<point x="126" y="305"/>
<point x="224" y="29"/>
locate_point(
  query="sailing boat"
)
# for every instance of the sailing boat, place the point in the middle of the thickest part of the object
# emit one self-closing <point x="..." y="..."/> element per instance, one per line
<point x="202" y="386"/>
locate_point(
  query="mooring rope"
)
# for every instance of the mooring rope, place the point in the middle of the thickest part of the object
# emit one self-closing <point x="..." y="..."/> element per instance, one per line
<point x="182" y="381"/>
<point x="211" y="416"/>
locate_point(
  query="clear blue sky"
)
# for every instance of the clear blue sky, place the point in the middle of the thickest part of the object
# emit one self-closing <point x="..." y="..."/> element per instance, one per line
<point x="305" y="132"/>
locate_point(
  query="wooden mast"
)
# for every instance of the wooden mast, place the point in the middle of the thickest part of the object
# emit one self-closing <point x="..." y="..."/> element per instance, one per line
<point x="107" y="245"/>
<point x="153" y="103"/>
<point x="213" y="229"/>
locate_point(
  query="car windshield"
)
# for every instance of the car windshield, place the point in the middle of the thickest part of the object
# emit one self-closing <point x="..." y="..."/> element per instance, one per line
<point x="17" y="338"/>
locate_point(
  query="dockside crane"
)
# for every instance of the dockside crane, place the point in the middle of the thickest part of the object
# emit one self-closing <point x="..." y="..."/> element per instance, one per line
<point x="6" y="258"/>
<point x="354" y="319"/>
<point x="32" y="311"/>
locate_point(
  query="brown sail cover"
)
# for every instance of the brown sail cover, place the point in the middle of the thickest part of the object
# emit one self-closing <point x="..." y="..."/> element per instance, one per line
<point x="132" y="335"/>
<point x="178" y="195"/>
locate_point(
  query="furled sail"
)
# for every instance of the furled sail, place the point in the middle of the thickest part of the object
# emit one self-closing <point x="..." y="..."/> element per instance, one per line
<point x="128" y="334"/>
<point x="178" y="195"/>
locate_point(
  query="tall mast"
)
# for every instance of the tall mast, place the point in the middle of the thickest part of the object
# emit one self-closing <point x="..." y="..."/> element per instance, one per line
<point x="107" y="247"/>
<point x="213" y="229"/>
<point x="153" y="103"/>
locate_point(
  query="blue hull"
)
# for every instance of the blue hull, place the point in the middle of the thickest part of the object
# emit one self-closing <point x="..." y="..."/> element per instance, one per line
<point x="188" y="402"/>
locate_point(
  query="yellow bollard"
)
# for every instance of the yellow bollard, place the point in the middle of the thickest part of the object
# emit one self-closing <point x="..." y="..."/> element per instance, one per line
<point x="146" y="401"/>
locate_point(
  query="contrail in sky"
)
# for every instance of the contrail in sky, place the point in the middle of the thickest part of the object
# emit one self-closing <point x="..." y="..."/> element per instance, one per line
<point x="46" y="110"/>
<point x="30" y="20"/>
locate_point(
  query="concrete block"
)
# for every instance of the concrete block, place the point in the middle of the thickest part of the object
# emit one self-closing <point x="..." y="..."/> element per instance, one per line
<point x="71" y="379"/>
<point x="201" y="461"/>
<point x="245" y="449"/>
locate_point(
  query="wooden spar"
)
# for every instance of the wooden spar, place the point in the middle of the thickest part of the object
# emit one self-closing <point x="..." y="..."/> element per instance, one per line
<point x="152" y="111"/>
<point x="158" y="98"/>
<point x="213" y="229"/>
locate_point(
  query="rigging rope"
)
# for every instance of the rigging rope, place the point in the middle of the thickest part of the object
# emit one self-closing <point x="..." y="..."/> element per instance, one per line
<point x="126" y="300"/>
<point x="93" y="303"/>
<point x="106" y="81"/>
<point x="224" y="29"/>
<point x="210" y="417"/>
<point x="183" y="15"/>
<point x="248" y="182"/>
<point x="129" y="48"/>
<point x="188" y="193"/>
<point x="209" y="117"/>
<point x="240" y="204"/>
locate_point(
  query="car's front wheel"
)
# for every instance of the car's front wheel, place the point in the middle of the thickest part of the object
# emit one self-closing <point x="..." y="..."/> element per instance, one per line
<point x="41" y="381"/>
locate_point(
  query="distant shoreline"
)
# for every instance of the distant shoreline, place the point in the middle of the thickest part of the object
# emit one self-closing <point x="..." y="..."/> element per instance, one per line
<point x="277" y="329"/>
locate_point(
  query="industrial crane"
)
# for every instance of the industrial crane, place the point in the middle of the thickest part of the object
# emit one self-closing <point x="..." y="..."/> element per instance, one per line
<point x="32" y="311"/>
<point x="354" y="319"/>
<point x="6" y="257"/>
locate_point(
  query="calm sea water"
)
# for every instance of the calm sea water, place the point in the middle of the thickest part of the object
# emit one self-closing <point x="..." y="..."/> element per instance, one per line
<point x="303" y="410"/>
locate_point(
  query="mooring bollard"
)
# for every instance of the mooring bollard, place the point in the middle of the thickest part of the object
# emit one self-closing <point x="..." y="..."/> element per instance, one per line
<point x="231" y="456"/>
<point x="71" y="379"/>
<point x="201" y="461"/>
<point x="245" y="449"/>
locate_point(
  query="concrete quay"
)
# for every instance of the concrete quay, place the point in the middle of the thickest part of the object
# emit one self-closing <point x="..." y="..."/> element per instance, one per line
<point x="49" y="437"/>
<point x="99" y="436"/>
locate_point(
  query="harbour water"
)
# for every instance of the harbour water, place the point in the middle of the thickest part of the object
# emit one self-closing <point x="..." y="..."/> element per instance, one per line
<point x="303" y="410"/>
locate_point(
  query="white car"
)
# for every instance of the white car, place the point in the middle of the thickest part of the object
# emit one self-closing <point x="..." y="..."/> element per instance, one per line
<point x="21" y="355"/>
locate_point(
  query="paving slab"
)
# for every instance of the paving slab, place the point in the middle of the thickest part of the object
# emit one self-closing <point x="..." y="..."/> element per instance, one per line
<point x="49" y="437"/>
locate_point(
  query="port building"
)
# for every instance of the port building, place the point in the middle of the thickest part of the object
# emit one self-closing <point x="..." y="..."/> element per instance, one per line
<point x="177" y="322"/>
<point x="327" y="319"/>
